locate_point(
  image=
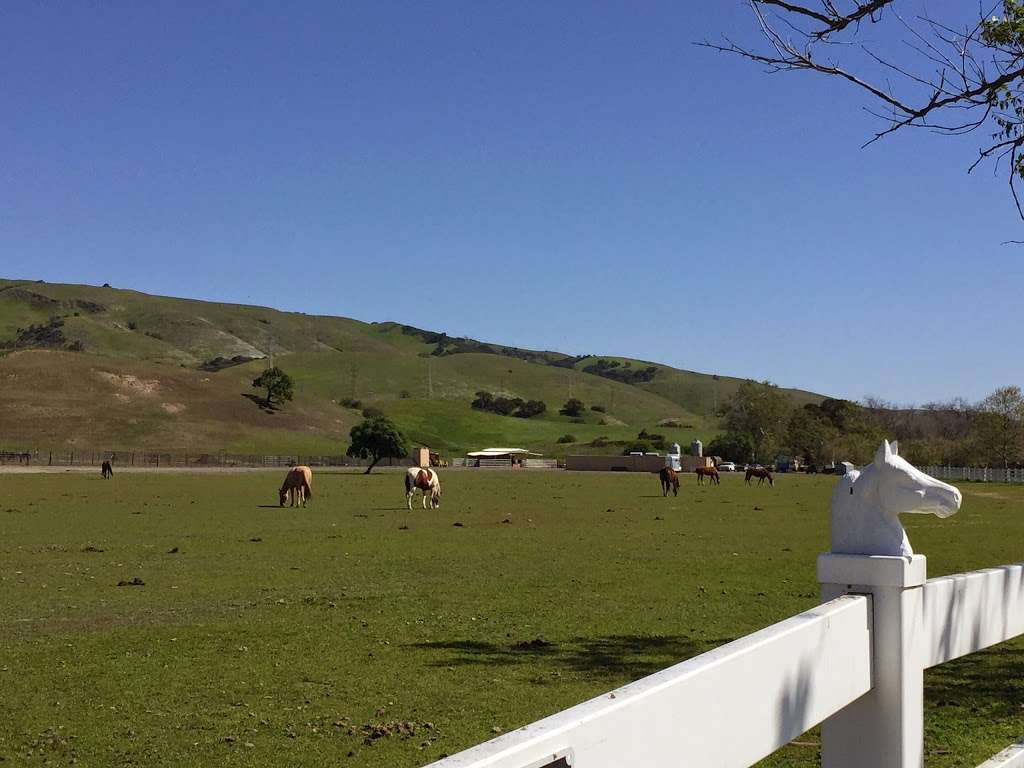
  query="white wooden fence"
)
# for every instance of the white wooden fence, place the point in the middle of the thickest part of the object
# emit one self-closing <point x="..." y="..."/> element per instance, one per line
<point x="855" y="664"/>
<point x="982" y="474"/>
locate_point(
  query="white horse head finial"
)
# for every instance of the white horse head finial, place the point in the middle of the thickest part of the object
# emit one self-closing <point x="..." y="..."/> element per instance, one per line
<point x="866" y="505"/>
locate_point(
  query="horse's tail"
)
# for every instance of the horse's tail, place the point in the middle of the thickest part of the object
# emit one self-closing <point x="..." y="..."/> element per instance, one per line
<point x="307" y="489"/>
<point x="408" y="483"/>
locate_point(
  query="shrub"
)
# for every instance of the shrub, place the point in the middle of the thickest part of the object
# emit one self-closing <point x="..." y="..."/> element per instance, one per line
<point x="639" y="446"/>
<point x="598" y="408"/>
<point x="405" y="394"/>
<point x="484" y="401"/>
<point x="351" y="402"/>
<point x="567" y="439"/>
<point x="372" y="413"/>
<point x="507" y="406"/>
<point x="600" y="442"/>
<point x="624" y="372"/>
<point x="573" y="407"/>
<point x="656" y="441"/>
<point x="132" y="325"/>
<point x="531" y="408"/>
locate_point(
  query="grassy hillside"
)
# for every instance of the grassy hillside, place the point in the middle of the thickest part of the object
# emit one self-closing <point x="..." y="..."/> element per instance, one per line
<point x="105" y="367"/>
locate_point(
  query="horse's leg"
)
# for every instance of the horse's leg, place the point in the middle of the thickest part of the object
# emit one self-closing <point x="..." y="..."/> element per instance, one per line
<point x="408" y="499"/>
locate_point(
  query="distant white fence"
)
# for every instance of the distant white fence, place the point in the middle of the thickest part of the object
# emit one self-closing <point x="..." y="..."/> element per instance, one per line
<point x="981" y="474"/>
<point x="855" y="664"/>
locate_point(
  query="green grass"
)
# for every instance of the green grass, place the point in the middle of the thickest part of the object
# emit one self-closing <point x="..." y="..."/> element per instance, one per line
<point x="291" y="630"/>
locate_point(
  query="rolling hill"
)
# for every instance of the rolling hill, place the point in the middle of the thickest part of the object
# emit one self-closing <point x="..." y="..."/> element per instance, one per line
<point x="101" y="367"/>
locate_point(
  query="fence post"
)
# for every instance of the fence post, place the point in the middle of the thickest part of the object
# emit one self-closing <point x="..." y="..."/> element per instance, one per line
<point x="884" y="728"/>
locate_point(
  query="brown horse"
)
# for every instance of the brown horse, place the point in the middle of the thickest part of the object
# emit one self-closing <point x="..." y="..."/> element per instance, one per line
<point x="106" y="470"/>
<point x="762" y="475"/>
<point x="669" y="479"/>
<point x="711" y="473"/>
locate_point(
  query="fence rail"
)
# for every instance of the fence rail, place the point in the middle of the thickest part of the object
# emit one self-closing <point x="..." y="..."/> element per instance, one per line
<point x="979" y="474"/>
<point x="142" y="458"/>
<point x="727" y="708"/>
<point x="854" y="664"/>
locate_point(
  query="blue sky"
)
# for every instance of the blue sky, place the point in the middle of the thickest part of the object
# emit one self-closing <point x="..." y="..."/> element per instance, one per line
<point x="574" y="176"/>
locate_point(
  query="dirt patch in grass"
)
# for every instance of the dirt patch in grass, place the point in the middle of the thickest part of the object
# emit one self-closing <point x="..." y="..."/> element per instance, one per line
<point x="130" y="383"/>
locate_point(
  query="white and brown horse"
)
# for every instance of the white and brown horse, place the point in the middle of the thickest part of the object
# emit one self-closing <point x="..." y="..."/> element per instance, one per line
<point x="298" y="484"/>
<point x="427" y="481"/>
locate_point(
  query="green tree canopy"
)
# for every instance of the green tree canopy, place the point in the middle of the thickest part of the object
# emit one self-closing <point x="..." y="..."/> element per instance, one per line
<point x="279" y="385"/>
<point x="808" y="435"/>
<point x="999" y="426"/>
<point x="572" y="407"/>
<point x="761" y="411"/>
<point x="375" y="439"/>
<point x="732" y="446"/>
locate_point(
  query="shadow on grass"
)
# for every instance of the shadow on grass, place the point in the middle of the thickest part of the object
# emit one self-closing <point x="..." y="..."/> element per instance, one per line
<point x="992" y="680"/>
<point x="261" y="402"/>
<point x="630" y="656"/>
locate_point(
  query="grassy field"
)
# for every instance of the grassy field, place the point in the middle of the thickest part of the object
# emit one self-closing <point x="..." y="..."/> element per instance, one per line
<point x="356" y="633"/>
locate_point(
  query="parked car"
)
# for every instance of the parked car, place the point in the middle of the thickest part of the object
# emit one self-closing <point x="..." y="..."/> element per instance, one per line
<point x="811" y="469"/>
<point x="726" y="466"/>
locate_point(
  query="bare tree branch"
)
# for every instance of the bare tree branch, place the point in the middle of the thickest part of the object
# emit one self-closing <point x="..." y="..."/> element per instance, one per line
<point x="977" y="68"/>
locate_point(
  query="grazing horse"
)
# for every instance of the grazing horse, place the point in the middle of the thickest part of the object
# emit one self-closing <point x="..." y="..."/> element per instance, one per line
<point x="866" y="505"/>
<point x="669" y="479"/>
<point x="106" y="471"/>
<point x="711" y="473"/>
<point x="427" y="481"/>
<point x="762" y="475"/>
<point x="298" y="484"/>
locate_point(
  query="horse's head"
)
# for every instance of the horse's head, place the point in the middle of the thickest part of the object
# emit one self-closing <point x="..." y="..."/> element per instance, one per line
<point x="903" y="488"/>
<point x="282" y="496"/>
<point x="866" y="505"/>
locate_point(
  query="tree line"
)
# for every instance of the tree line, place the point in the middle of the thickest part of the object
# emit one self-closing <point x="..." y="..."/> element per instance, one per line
<point x="761" y="424"/>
